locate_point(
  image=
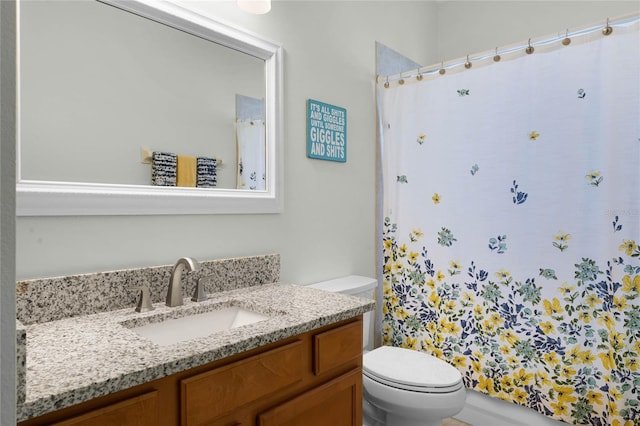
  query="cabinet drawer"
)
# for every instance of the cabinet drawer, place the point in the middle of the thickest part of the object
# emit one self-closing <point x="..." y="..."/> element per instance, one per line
<point x="338" y="346"/>
<point x="217" y="392"/>
<point x="336" y="403"/>
<point x="139" y="411"/>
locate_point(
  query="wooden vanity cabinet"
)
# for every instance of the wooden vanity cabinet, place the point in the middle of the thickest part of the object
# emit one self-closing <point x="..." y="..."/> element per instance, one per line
<point x="313" y="379"/>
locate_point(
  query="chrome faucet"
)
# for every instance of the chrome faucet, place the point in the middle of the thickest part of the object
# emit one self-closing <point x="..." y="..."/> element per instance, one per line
<point x="174" y="293"/>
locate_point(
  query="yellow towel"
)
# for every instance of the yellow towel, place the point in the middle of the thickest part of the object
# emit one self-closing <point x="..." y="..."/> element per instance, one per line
<point x="187" y="168"/>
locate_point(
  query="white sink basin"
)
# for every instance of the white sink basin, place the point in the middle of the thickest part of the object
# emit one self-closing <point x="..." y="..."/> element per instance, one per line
<point x="189" y="327"/>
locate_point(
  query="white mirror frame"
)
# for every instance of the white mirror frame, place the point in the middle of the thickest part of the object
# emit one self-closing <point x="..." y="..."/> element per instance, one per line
<point x="45" y="198"/>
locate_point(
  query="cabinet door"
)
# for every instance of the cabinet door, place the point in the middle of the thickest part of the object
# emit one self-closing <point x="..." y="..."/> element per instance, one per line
<point x="209" y="396"/>
<point x="138" y="411"/>
<point x="335" y="403"/>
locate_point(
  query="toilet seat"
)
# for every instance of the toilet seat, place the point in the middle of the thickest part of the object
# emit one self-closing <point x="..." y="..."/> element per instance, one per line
<point x="411" y="370"/>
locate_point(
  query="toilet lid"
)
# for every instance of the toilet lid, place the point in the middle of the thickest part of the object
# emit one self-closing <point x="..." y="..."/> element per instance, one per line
<point x="412" y="370"/>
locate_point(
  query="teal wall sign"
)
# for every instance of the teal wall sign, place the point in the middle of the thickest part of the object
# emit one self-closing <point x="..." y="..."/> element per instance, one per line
<point x="326" y="131"/>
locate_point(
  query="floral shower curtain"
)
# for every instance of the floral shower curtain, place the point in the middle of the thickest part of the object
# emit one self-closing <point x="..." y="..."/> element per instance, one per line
<point x="512" y="223"/>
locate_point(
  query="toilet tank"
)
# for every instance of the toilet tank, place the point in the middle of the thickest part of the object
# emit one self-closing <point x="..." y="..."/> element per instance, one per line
<point x="354" y="285"/>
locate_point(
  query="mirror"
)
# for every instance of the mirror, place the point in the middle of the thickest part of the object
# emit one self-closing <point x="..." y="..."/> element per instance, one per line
<point x="105" y="84"/>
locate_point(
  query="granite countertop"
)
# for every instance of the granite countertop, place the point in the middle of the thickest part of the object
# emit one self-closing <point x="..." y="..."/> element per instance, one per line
<point x="76" y="359"/>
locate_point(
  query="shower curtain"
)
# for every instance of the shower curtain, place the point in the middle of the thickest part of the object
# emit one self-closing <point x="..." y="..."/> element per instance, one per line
<point x="251" y="167"/>
<point x="512" y="225"/>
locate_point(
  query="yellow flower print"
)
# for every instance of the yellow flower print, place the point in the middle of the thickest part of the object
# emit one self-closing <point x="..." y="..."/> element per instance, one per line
<point x="402" y="313"/>
<point x="566" y="289"/>
<point x="467" y="298"/>
<point x="606" y="319"/>
<point x="564" y="393"/>
<point x="593" y="175"/>
<point x="413" y="256"/>
<point x="502" y="274"/>
<point x="459" y="361"/>
<point x="534" y="135"/>
<point x="522" y="378"/>
<point x="607" y="360"/>
<point x="629" y="285"/>
<point x="567" y="371"/>
<point x="431" y="283"/>
<point x="421" y="138"/>
<point x="488" y="326"/>
<point x="615" y="393"/>
<point x="436" y="198"/>
<point x="434" y="299"/>
<point x="478" y="311"/>
<point x="451" y="328"/>
<point x="485" y="384"/>
<point x="585" y="316"/>
<point x="509" y="336"/>
<point x="542" y="378"/>
<point x="450" y="306"/>
<point x="632" y="363"/>
<point x="410" y="343"/>
<point x="475" y="365"/>
<point x="496" y="318"/>
<point x="552" y="307"/>
<point x="506" y="382"/>
<point x="417" y="233"/>
<point x="513" y="361"/>
<point x="594" y="398"/>
<point x="592" y="300"/>
<point x="547" y="327"/>
<point x="437" y="352"/>
<point x="560" y="409"/>
<point x="520" y="396"/>
<point x="573" y="355"/>
<point x="402" y="250"/>
<point x="562" y="237"/>
<point x="586" y="357"/>
<point x="628" y="246"/>
<point x="387" y="268"/>
<point x="551" y="358"/>
<point x="506" y="350"/>
<point x="617" y="340"/>
<point x="620" y="303"/>
<point x="388" y="243"/>
<point x="440" y="276"/>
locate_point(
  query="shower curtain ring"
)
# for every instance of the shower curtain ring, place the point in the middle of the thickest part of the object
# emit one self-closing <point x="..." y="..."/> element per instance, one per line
<point x="608" y="29"/>
<point x="566" y="41"/>
<point x="529" y="48"/>
<point x="442" y="70"/>
<point x="497" y="57"/>
<point x="386" y="83"/>
<point x="401" y="80"/>
<point x="467" y="64"/>
<point x="419" y="76"/>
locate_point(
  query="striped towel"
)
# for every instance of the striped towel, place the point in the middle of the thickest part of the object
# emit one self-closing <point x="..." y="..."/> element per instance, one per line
<point x="164" y="168"/>
<point x="206" y="172"/>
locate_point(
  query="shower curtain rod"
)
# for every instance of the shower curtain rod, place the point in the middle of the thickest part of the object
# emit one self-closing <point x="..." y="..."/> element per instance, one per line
<point x="528" y="47"/>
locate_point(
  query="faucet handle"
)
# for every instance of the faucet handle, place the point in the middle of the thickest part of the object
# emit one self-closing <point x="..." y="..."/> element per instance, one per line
<point x="199" y="294"/>
<point x="144" y="303"/>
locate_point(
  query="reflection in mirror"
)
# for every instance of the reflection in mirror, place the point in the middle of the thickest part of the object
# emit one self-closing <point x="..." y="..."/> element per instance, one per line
<point x="250" y="143"/>
<point x="102" y="88"/>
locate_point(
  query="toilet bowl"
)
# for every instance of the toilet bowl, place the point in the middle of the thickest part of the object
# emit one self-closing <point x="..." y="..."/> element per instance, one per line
<point x="411" y="388"/>
<point x="401" y="387"/>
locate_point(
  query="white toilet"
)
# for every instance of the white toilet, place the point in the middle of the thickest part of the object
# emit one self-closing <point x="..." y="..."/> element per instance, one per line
<point x="402" y="387"/>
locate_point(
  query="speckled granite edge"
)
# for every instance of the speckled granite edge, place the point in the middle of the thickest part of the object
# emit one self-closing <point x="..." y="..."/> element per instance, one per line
<point x="108" y="357"/>
<point x="21" y="361"/>
<point x="51" y="299"/>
